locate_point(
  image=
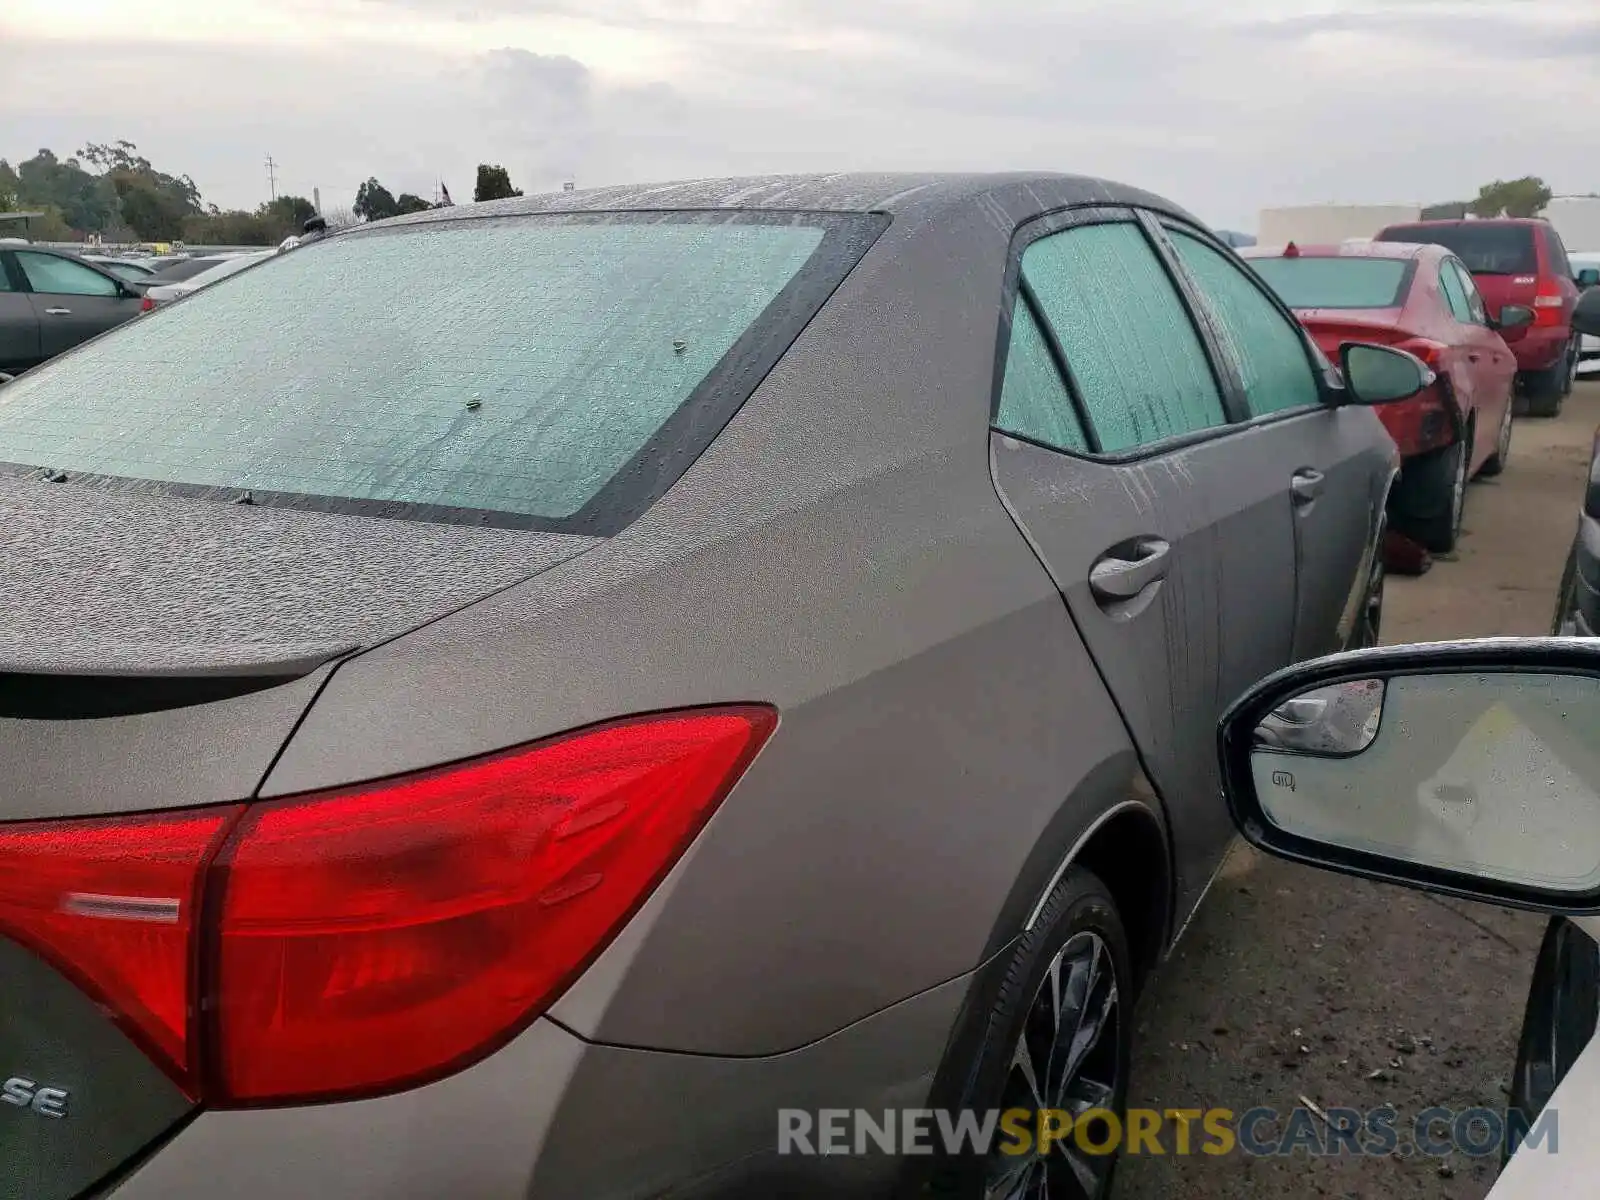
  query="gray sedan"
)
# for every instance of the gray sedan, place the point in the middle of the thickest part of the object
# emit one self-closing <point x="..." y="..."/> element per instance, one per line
<point x="51" y="301"/>
<point x="504" y="702"/>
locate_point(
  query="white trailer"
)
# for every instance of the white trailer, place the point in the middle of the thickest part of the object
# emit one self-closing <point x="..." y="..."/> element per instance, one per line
<point x="1577" y="220"/>
<point x="1331" y="224"/>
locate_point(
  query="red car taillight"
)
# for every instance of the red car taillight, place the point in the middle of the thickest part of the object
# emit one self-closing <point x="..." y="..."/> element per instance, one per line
<point x="1549" y="304"/>
<point x="147" y="305"/>
<point x="369" y="939"/>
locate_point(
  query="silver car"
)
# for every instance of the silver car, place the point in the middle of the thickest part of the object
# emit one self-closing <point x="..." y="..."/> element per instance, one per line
<point x="504" y="702"/>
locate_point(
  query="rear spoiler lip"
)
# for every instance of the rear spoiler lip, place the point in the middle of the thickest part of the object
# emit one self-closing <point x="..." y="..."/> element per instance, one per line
<point x="162" y="661"/>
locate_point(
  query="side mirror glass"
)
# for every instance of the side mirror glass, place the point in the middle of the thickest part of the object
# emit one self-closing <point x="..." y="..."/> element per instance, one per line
<point x="1381" y="374"/>
<point x="1514" y="316"/>
<point x="1586" y="316"/>
<point x="1471" y="769"/>
<point x="1588" y="277"/>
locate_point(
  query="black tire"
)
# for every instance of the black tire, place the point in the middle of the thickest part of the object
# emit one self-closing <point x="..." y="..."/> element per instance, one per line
<point x="1549" y="388"/>
<point x="1431" y="496"/>
<point x="1502" y="449"/>
<point x="1368" y="630"/>
<point x="1563" y="624"/>
<point x="1079" y="914"/>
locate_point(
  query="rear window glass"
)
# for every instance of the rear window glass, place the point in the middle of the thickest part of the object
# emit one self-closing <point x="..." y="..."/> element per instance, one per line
<point x="1487" y="248"/>
<point x="1335" y="282"/>
<point x="515" y="366"/>
<point x="177" y="272"/>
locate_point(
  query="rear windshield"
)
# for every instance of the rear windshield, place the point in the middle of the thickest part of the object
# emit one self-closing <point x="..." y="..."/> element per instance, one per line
<point x="547" y="371"/>
<point x="1487" y="248"/>
<point x="229" y="266"/>
<point x="1336" y="282"/>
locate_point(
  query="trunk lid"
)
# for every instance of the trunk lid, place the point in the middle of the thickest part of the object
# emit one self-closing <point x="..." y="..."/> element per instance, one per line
<point x="157" y="653"/>
<point x="1331" y="328"/>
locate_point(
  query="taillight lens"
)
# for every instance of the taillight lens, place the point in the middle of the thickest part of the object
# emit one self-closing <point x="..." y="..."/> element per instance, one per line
<point x="1431" y="353"/>
<point x="112" y="904"/>
<point x="1548" y="303"/>
<point x="370" y="939"/>
<point x="147" y="305"/>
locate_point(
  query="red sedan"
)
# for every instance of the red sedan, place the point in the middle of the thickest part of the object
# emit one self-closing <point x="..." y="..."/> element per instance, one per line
<point x="1420" y="298"/>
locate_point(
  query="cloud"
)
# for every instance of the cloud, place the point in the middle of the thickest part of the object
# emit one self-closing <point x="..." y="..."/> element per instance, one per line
<point x="1224" y="108"/>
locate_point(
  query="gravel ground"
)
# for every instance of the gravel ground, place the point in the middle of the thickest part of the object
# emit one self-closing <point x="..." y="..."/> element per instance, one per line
<point x="1293" y="983"/>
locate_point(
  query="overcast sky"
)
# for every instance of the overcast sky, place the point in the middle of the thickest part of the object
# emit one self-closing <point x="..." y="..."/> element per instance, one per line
<point x="1224" y="107"/>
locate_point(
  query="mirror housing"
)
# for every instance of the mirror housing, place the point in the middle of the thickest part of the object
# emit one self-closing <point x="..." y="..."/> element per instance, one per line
<point x="1512" y="322"/>
<point x="1588" y="277"/>
<point x="1586" y="316"/>
<point x="1469" y="769"/>
<point x="1381" y="374"/>
<point x="5" y="379"/>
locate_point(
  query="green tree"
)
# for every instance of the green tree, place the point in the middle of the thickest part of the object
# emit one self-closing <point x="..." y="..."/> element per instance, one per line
<point x="1525" y="197"/>
<point x="409" y="203"/>
<point x="494" y="183"/>
<point x="290" y="213"/>
<point x="88" y="203"/>
<point x="374" y="202"/>
<point x="8" y="187"/>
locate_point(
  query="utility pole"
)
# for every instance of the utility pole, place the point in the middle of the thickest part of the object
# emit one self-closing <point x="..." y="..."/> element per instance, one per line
<point x="272" y="177"/>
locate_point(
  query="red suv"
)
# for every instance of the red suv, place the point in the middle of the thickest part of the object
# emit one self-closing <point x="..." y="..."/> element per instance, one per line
<point x="1517" y="260"/>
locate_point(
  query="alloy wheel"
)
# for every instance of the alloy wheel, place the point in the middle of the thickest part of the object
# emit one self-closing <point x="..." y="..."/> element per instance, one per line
<point x="1574" y="358"/>
<point x="1502" y="447"/>
<point x="1372" y="610"/>
<point x="1068" y="1058"/>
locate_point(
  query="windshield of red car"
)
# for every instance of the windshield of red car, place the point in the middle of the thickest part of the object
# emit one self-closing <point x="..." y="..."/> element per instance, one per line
<point x="1487" y="248"/>
<point x="1335" y="282"/>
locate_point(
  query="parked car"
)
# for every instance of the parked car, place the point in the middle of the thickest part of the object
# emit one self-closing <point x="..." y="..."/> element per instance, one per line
<point x="1586" y="272"/>
<point x="163" y="292"/>
<point x="51" y="301"/>
<point x="122" y="268"/>
<point x="1422" y="299"/>
<point x="747" y="640"/>
<point x="1523" y="262"/>
<point x="1478" y="777"/>
<point x="178" y="270"/>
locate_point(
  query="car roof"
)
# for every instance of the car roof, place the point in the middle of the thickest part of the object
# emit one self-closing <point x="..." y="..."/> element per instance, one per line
<point x="1396" y="250"/>
<point x="1451" y="222"/>
<point x="1019" y="194"/>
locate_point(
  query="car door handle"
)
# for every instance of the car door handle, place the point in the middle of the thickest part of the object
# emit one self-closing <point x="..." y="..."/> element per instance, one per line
<point x="1307" y="485"/>
<point x="58" y="312"/>
<point x="1472" y="358"/>
<point x="1116" y="577"/>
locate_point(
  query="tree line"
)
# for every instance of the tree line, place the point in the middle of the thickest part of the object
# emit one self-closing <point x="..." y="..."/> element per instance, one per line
<point x="1525" y="197"/>
<point x="112" y="191"/>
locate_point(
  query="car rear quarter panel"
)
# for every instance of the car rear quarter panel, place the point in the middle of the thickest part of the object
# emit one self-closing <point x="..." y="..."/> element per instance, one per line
<point x="841" y="553"/>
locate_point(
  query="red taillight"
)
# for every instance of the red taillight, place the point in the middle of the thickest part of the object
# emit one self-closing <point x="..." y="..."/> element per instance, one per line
<point x="112" y="903"/>
<point x="1431" y="353"/>
<point x="147" y="305"/>
<point x="1549" y="304"/>
<point x="370" y="939"/>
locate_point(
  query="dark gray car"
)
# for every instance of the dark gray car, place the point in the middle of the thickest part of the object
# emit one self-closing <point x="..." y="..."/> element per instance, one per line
<point x="501" y="702"/>
<point x="50" y="302"/>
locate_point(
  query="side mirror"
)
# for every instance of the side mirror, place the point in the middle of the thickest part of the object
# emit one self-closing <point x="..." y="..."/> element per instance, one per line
<point x="1586" y="316"/>
<point x="1588" y="277"/>
<point x="1513" y="322"/>
<point x="1381" y="374"/>
<point x="1471" y="768"/>
<point x="1514" y="316"/>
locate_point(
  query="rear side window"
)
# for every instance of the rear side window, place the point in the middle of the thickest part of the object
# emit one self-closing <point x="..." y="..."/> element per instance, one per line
<point x="1556" y="252"/>
<point x="1454" y="294"/>
<point x="1486" y="247"/>
<point x="1133" y="352"/>
<point x="1034" y="401"/>
<point x="63" y="277"/>
<point x="514" y="367"/>
<point x="1335" y="282"/>
<point x="1268" y="346"/>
